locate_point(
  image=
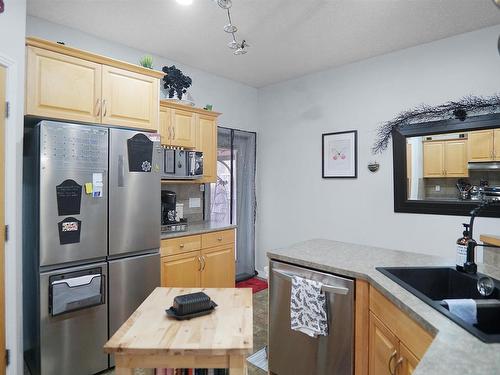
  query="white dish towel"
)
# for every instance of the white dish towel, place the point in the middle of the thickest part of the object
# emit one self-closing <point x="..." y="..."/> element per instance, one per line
<point x="308" y="307"/>
<point x="465" y="309"/>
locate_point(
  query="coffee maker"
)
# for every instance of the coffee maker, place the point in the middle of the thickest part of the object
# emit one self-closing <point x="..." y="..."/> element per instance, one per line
<point x="168" y="204"/>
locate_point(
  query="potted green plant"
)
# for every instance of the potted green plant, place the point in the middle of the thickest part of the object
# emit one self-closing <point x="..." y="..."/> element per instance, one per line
<point x="175" y="82"/>
<point x="147" y="62"/>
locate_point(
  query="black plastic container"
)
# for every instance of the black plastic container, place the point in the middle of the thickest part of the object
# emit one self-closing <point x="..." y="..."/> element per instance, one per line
<point x="192" y="303"/>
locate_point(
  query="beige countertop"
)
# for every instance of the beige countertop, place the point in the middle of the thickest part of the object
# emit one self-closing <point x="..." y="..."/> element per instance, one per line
<point x="454" y="350"/>
<point x="199" y="228"/>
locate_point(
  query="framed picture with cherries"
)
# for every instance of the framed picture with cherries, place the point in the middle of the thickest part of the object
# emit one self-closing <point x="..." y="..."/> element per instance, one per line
<point x="340" y="154"/>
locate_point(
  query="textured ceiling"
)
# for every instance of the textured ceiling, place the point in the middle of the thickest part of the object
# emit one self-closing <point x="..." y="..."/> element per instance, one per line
<point x="288" y="38"/>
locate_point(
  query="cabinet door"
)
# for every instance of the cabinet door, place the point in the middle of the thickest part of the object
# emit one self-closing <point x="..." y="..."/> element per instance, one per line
<point x="181" y="270"/>
<point x="207" y="142"/>
<point x="165" y="126"/>
<point x="497" y="144"/>
<point x="481" y="145"/>
<point x="183" y="128"/>
<point x="455" y="158"/>
<point x="433" y="159"/>
<point x="219" y="267"/>
<point x="382" y="349"/>
<point x="407" y="359"/>
<point x="130" y="99"/>
<point x="62" y="87"/>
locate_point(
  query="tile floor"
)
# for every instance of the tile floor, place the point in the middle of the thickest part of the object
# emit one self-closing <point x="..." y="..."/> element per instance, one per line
<point x="260" y="308"/>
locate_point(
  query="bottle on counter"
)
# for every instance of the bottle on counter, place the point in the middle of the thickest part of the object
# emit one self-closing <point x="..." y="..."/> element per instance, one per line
<point x="461" y="258"/>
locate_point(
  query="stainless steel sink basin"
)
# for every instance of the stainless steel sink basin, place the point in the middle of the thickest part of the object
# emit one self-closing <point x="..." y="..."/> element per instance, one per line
<point x="435" y="284"/>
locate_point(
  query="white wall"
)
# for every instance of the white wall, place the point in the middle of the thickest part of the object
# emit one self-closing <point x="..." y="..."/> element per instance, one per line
<point x="236" y="101"/>
<point x="295" y="203"/>
<point x="12" y="27"/>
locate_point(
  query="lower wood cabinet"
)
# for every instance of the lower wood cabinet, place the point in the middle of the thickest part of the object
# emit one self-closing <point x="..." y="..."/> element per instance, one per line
<point x="383" y="348"/>
<point x="181" y="270"/>
<point x="396" y="342"/>
<point x="199" y="260"/>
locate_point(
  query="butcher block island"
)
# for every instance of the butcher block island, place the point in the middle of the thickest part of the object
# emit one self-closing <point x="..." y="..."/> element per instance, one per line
<point x="222" y="339"/>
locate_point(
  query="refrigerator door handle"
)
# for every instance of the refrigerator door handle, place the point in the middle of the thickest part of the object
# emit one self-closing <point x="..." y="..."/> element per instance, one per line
<point x="121" y="171"/>
<point x="325" y="288"/>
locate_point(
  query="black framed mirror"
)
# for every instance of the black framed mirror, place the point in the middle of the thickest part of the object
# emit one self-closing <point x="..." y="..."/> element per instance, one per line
<point x="446" y="167"/>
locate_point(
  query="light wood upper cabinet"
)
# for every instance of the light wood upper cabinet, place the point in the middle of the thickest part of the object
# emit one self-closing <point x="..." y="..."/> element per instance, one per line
<point x="383" y="348"/>
<point x="207" y="142"/>
<point x="60" y="86"/>
<point x="129" y="99"/>
<point x="165" y="128"/>
<point x="181" y="270"/>
<point x="455" y="158"/>
<point x="70" y="84"/>
<point x="218" y="269"/>
<point x="183" y="128"/>
<point x="481" y="145"/>
<point x="445" y="158"/>
<point x="496" y="138"/>
<point x="433" y="159"/>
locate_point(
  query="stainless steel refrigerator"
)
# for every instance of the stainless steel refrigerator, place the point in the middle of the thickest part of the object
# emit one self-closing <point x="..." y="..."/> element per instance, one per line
<point x="91" y="239"/>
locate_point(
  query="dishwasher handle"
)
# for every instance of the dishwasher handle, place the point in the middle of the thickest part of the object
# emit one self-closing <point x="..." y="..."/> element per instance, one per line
<point x="324" y="288"/>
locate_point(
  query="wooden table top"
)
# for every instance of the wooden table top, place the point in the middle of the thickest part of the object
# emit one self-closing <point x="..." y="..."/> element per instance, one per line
<point x="226" y="331"/>
<point x="490" y="239"/>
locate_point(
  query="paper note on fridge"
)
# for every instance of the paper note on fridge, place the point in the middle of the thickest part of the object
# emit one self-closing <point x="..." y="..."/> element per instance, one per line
<point x="97" y="185"/>
<point x="89" y="188"/>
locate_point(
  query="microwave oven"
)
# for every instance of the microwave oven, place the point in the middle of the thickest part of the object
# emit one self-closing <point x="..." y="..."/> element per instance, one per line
<point x="182" y="164"/>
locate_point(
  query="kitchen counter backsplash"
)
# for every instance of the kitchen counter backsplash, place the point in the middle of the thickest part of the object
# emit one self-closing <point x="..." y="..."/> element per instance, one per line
<point x="184" y="192"/>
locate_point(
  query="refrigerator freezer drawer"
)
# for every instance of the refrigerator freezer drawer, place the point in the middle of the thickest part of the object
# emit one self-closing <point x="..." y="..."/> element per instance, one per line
<point x="71" y="343"/>
<point x="131" y="280"/>
<point x="292" y="352"/>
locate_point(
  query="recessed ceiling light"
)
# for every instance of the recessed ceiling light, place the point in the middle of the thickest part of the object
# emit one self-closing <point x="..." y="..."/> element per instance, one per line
<point x="184" y="2"/>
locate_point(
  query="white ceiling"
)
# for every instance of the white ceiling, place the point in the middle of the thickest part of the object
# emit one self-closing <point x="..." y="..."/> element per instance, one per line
<point x="289" y="38"/>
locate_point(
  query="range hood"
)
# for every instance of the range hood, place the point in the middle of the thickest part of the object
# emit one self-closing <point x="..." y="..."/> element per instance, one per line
<point x="484" y="166"/>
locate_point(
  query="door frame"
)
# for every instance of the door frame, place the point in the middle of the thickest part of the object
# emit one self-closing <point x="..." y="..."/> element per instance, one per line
<point x="14" y="126"/>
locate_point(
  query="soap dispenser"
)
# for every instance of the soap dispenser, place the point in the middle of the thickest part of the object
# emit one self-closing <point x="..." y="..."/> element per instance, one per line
<point x="461" y="258"/>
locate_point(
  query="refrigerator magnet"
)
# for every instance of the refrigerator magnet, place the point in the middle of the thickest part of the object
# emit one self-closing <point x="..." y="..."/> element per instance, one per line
<point x="69" y="231"/>
<point x="69" y="198"/>
<point x="97" y="185"/>
<point x="140" y="153"/>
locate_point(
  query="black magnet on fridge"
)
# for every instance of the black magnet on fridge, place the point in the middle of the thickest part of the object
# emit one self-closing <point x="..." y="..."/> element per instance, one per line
<point x="69" y="231"/>
<point x="69" y="198"/>
<point x="140" y="153"/>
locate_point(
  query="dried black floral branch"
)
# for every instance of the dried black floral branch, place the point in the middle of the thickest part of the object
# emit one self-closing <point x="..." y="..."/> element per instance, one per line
<point x="460" y="109"/>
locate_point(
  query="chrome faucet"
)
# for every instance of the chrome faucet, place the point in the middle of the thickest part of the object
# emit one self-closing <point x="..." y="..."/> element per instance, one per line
<point x="470" y="265"/>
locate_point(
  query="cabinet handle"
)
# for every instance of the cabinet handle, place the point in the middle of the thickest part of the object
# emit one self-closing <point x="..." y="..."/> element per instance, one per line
<point x="393" y="355"/>
<point x="199" y="260"/>
<point x="173" y="131"/>
<point x="398" y="364"/>
<point x="105" y="107"/>
<point x="219" y="239"/>
<point x="204" y="262"/>
<point x="181" y="246"/>
<point x="98" y="107"/>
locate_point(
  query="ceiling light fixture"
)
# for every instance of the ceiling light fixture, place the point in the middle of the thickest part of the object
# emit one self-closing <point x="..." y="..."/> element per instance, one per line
<point x="184" y="2"/>
<point x="239" y="48"/>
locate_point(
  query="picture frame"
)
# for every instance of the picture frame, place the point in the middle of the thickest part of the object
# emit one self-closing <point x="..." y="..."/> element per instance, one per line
<point x="339" y="154"/>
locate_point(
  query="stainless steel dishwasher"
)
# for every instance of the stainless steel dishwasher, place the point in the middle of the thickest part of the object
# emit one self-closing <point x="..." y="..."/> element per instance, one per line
<point x="292" y="352"/>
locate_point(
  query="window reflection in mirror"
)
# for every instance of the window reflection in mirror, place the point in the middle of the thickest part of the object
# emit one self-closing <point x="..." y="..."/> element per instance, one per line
<point x="454" y="166"/>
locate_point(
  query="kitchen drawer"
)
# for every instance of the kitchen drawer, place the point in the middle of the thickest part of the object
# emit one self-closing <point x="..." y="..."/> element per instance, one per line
<point x="217" y="238"/>
<point x="180" y="245"/>
<point x="406" y="329"/>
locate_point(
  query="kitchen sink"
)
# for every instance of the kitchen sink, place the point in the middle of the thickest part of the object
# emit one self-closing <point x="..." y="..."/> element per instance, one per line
<point x="435" y="284"/>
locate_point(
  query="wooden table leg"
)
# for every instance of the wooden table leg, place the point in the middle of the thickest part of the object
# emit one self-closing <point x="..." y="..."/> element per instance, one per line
<point x="238" y="365"/>
<point x="124" y="371"/>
